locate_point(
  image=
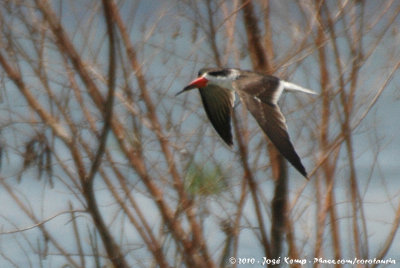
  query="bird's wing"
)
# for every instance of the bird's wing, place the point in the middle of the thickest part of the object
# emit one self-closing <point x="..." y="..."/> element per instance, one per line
<point x="218" y="103"/>
<point x="268" y="89"/>
<point x="261" y="101"/>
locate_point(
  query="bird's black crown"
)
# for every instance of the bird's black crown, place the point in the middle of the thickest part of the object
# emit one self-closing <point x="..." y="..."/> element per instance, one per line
<point x="223" y="72"/>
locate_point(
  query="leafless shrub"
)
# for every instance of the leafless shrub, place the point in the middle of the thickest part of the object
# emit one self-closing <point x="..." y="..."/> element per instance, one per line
<point x="137" y="176"/>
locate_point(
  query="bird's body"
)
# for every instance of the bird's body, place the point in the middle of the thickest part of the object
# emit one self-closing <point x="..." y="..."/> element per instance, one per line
<point x="260" y="94"/>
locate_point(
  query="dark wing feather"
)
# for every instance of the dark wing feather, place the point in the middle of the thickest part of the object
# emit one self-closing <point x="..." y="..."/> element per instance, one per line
<point x="266" y="88"/>
<point x="218" y="103"/>
<point x="273" y="123"/>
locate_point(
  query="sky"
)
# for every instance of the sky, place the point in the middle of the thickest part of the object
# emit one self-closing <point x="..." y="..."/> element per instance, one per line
<point x="172" y="62"/>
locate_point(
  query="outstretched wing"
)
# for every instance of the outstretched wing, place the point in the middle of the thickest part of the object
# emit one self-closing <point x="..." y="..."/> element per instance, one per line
<point x="218" y="103"/>
<point x="261" y="100"/>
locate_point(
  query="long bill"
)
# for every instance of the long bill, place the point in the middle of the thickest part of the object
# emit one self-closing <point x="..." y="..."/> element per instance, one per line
<point x="197" y="83"/>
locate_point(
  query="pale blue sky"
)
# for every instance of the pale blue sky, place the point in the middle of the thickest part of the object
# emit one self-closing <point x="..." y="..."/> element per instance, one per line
<point x="169" y="73"/>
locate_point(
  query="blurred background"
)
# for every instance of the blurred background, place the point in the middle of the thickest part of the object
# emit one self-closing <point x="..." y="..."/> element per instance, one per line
<point x="102" y="166"/>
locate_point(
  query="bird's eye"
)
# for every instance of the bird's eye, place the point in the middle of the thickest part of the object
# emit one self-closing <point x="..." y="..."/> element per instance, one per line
<point x="201" y="72"/>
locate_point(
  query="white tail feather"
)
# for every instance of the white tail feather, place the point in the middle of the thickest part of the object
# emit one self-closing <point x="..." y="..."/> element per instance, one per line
<point x="293" y="87"/>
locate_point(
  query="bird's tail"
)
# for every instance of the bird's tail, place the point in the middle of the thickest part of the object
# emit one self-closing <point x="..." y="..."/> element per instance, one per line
<point x="293" y="87"/>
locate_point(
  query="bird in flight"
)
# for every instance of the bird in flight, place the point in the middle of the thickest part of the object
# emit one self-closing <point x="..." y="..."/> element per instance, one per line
<point x="260" y="94"/>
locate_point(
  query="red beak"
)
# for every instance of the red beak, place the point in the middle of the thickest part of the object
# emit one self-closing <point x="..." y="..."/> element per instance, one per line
<point x="197" y="83"/>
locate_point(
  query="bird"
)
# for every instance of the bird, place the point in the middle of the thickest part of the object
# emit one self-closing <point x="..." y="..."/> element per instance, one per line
<point x="260" y="94"/>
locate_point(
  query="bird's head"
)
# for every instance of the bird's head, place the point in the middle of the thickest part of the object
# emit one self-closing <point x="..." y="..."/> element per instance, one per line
<point x="222" y="77"/>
